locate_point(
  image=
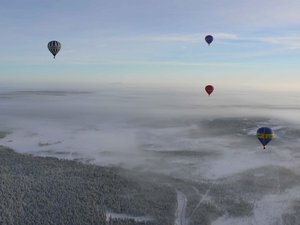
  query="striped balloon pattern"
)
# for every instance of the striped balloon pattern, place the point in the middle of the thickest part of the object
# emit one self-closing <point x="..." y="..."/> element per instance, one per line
<point x="264" y="135"/>
<point x="54" y="47"/>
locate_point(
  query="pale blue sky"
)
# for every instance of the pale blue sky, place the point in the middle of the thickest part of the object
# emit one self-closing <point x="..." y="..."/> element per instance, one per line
<point x="151" y="41"/>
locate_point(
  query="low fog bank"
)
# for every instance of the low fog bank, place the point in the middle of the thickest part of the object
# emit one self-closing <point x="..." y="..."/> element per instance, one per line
<point x="208" y="142"/>
<point x="180" y="132"/>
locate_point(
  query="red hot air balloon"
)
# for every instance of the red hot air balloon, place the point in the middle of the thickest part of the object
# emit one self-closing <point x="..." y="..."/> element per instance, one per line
<point x="209" y="89"/>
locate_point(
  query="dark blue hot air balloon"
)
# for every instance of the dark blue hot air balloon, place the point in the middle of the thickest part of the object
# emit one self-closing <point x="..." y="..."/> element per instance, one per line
<point x="209" y="39"/>
<point x="264" y="135"/>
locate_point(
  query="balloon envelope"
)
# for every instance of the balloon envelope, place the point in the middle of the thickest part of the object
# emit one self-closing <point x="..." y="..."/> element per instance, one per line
<point x="209" y="39"/>
<point x="54" y="47"/>
<point x="264" y="135"/>
<point x="209" y="89"/>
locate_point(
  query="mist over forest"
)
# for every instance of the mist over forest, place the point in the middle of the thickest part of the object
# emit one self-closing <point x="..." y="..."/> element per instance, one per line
<point x="146" y="112"/>
<point x="202" y="147"/>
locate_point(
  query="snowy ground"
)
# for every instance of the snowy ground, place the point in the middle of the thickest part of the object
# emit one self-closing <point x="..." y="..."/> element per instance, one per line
<point x="181" y="134"/>
<point x="180" y="214"/>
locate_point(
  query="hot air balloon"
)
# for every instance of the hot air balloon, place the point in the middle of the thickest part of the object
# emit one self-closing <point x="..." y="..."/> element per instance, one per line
<point x="209" y="89"/>
<point x="264" y="135"/>
<point x="54" y="47"/>
<point x="209" y="39"/>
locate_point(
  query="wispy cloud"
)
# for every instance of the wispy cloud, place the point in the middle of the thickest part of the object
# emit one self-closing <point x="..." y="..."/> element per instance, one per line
<point x="291" y="42"/>
<point x="94" y="61"/>
<point x="175" y="63"/>
<point x="152" y="63"/>
<point x="288" y="41"/>
<point x="188" y="37"/>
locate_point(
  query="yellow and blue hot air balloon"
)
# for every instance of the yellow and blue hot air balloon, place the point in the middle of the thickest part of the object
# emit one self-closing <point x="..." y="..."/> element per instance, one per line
<point x="264" y="135"/>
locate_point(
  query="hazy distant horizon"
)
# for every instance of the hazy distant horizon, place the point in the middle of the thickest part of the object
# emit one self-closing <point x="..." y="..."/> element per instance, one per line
<point x="122" y="125"/>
